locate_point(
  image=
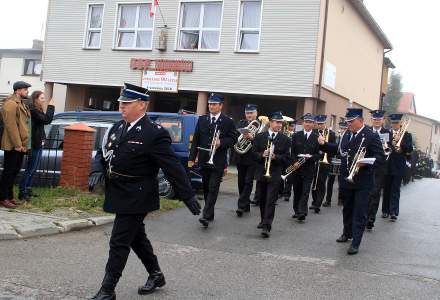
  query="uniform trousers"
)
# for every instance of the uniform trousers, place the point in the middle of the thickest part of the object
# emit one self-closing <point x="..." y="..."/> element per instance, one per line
<point x="319" y="192"/>
<point x="245" y="184"/>
<point x="301" y="191"/>
<point x="212" y="178"/>
<point x="129" y="232"/>
<point x="330" y="183"/>
<point x="374" y="198"/>
<point x="268" y="198"/>
<point x="391" y="194"/>
<point x="354" y="213"/>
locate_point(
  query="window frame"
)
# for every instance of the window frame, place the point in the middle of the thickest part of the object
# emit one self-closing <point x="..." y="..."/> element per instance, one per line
<point x="136" y="29"/>
<point x="26" y="64"/>
<point x="239" y="29"/>
<point x="200" y="28"/>
<point x="87" y="28"/>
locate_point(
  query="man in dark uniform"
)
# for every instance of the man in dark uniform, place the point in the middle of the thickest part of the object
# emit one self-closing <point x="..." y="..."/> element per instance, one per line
<point x="323" y="166"/>
<point x="288" y="183"/>
<point x="396" y="169"/>
<point x="246" y="163"/>
<point x="133" y="151"/>
<point x="204" y="136"/>
<point x="304" y="144"/>
<point x="331" y="178"/>
<point x="355" y="194"/>
<point x="269" y="185"/>
<point x="377" y="117"/>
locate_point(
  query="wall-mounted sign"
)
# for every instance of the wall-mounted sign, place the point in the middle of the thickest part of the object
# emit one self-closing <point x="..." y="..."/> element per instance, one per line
<point x="330" y="75"/>
<point x="161" y="65"/>
<point x="158" y="81"/>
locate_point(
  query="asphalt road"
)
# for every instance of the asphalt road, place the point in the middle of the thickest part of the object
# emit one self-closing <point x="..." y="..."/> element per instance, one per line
<point x="229" y="260"/>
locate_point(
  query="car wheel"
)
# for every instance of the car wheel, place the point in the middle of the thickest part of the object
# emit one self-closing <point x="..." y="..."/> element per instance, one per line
<point x="165" y="189"/>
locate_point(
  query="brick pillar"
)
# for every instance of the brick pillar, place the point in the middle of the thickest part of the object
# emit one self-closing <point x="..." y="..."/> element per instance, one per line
<point x="77" y="156"/>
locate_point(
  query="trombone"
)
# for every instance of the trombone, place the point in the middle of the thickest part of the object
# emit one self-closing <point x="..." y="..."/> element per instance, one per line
<point x="270" y="148"/>
<point x="354" y="168"/>
<point x="326" y="134"/>
<point x="401" y="133"/>
<point x="212" y="149"/>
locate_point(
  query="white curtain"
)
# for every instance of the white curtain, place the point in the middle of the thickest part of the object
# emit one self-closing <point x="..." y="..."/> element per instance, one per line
<point x="249" y="41"/>
<point x="143" y="39"/>
<point x="96" y="16"/>
<point x="128" y="16"/>
<point x="126" y="39"/>
<point x="212" y="15"/>
<point x="191" y="15"/>
<point x="251" y="14"/>
<point x="189" y="39"/>
<point x="145" y="21"/>
<point x="30" y="67"/>
<point x="94" y="39"/>
<point x="210" y="39"/>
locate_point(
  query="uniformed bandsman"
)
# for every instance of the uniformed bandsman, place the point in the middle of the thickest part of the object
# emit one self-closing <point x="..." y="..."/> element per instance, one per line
<point x="133" y="151"/>
<point x="396" y="169"/>
<point x="355" y="194"/>
<point x="288" y="184"/>
<point x="208" y="126"/>
<point x="377" y="117"/>
<point x="269" y="185"/>
<point x="304" y="144"/>
<point x="246" y="163"/>
<point x="323" y="167"/>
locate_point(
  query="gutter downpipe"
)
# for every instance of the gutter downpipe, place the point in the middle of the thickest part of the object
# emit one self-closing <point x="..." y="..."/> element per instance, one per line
<point x="324" y="40"/>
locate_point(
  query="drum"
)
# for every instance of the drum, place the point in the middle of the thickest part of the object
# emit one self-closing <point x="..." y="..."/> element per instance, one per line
<point x="335" y="166"/>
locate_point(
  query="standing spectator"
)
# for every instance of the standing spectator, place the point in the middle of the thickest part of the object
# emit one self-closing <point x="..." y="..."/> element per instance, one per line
<point x="39" y="119"/>
<point x="15" y="140"/>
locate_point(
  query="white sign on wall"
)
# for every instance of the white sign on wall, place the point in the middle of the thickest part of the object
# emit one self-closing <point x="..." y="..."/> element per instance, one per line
<point x="330" y="75"/>
<point x="159" y="81"/>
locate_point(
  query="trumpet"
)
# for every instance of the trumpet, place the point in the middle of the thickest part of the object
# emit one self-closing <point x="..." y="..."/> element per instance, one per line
<point x="354" y="168"/>
<point x="243" y="145"/>
<point x="326" y="133"/>
<point x="212" y="149"/>
<point x="293" y="167"/>
<point x="270" y="148"/>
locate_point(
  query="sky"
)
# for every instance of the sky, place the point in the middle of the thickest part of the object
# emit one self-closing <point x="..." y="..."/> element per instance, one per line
<point x="413" y="27"/>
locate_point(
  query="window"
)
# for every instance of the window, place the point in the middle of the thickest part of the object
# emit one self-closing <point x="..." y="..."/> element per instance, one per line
<point x="200" y="26"/>
<point x="94" y="26"/>
<point x="32" y="67"/>
<point x="249" y="26"/>
<point x="173" y="126"/>
<point x="135" y="27"/>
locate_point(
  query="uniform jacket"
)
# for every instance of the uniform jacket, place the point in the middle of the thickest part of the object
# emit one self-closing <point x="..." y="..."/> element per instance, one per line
<point x="384" y="167"/>
<point x="138" y="155"/>
<point x="301" y="146"/>
<point x="15" y="118"/>
<point x="39" y="119"/>
<point x="282" y="156"/>
<point x="348" y="148"/>
<point x="247" y="158"/>
<point x="203" y="136"/>
<point x="397" y="161"/>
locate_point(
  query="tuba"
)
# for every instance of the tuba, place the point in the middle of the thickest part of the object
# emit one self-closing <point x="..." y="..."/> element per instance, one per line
<point x="243" y="145"/>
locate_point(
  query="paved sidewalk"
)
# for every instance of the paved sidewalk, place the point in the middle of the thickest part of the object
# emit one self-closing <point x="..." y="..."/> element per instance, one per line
<point x="18" y="224"/>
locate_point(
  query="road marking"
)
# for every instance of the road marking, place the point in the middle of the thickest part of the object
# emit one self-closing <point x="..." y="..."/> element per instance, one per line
<point x="299" y="258"/>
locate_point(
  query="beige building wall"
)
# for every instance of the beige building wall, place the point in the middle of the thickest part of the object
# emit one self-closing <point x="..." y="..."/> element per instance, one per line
<point x="353" y="56"/>
<point x="11" y="70"/>
<point x="426" y="135"/>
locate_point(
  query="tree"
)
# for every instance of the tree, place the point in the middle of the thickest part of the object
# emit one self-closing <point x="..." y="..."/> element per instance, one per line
<point x="394" y="93"/>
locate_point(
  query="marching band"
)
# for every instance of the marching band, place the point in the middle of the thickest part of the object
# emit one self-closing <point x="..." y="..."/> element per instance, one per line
<point x="366" y="160"/>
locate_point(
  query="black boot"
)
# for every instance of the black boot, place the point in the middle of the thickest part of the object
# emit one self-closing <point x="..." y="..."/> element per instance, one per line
<point x="155" y="280"/>
<point x="107" y="290"/>
<point x="23" y="196"/>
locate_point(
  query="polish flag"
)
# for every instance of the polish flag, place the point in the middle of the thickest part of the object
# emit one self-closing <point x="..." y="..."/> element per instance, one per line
<point x="153" y="8"/>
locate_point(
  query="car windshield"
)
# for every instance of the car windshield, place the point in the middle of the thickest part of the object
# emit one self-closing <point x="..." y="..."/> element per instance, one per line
<point x="55" y="134"/>
<point x="172" y="125"/>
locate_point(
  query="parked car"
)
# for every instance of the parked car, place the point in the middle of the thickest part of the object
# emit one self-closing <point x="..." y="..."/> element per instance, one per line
<point x="181" y="129"/>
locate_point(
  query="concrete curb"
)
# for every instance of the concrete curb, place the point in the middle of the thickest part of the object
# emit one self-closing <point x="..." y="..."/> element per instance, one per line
<point x="20" y="231"/>
<point x="8" y="233"/>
